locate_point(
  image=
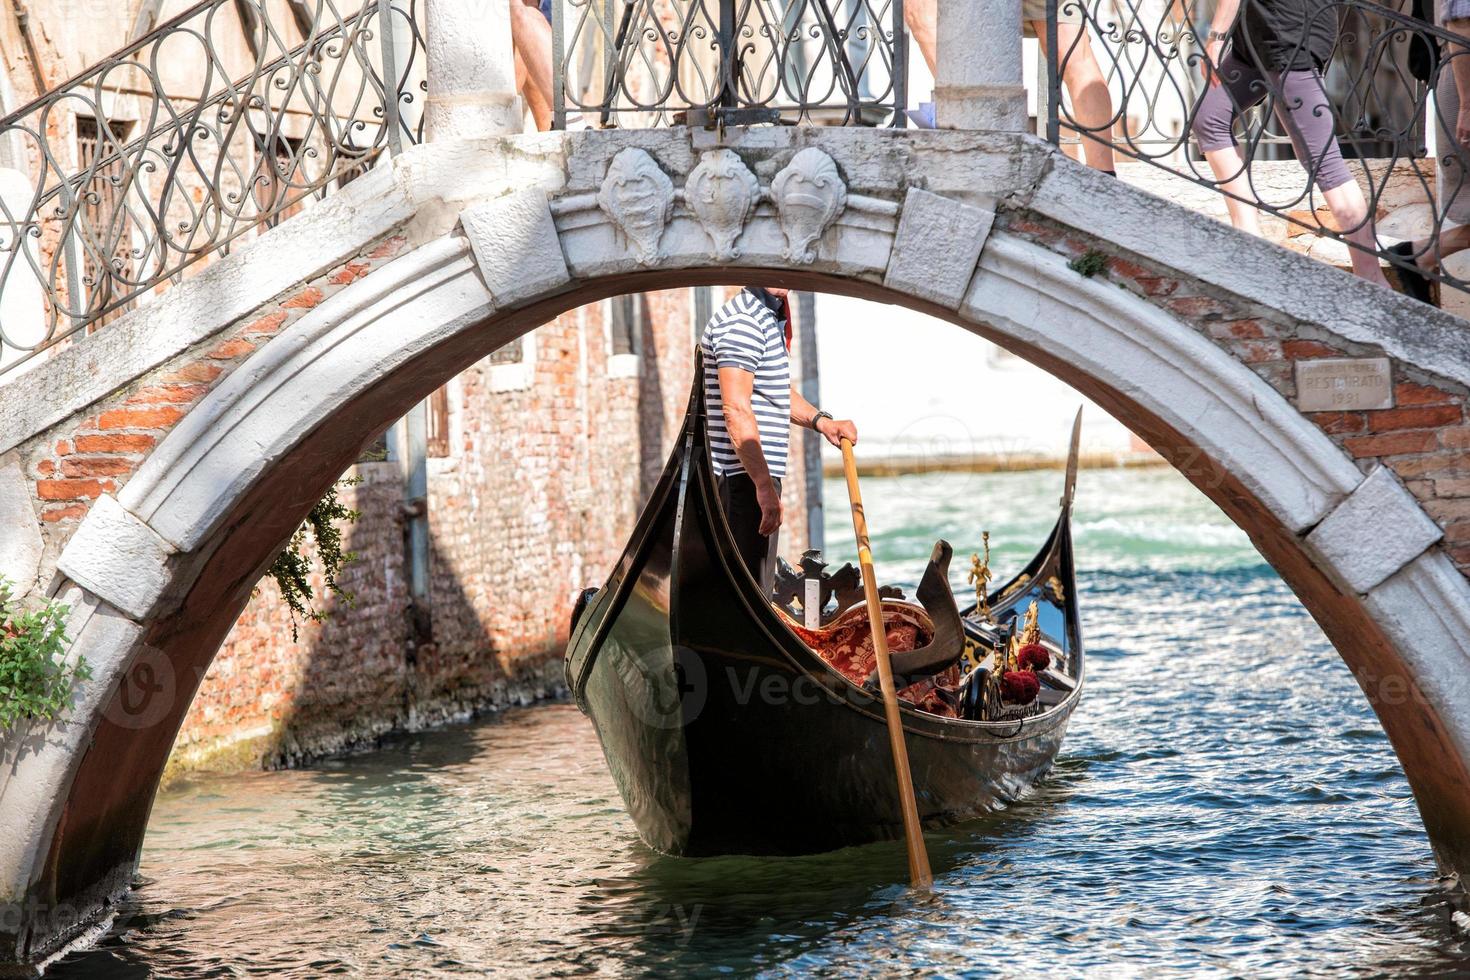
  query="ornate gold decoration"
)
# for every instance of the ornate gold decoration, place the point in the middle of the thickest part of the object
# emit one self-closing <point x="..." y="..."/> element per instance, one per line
<point x="1030" y="630"/>
<point x="979" y="577"/>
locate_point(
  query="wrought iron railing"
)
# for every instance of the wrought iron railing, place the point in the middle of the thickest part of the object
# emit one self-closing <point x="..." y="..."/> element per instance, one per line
<point x="656" y="62"/>
<point x="1382" y="66"/>
<point x="219" y="122"/>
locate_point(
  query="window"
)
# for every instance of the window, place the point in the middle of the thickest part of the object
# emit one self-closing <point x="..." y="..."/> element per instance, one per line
<point x="626" y="324"/>
<point x="703" y="304"/>
<point x="437" y="422"/>
<point x="626" y="318"/>
<point x="105" y="236"/>
<point x="512" y="353"/>
<point x="513" y="367"/>
<point x="352" y="171"/>
<point x="280" y="159"/>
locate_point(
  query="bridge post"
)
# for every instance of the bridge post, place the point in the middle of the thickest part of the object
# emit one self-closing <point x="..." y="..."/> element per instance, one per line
<point x="471" y="71"/>
<point x="978" y="84"/>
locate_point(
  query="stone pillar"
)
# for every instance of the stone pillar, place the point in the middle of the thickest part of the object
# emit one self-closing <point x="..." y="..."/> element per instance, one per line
<point x="979" y="83"/>
<point x="471" y="70"/>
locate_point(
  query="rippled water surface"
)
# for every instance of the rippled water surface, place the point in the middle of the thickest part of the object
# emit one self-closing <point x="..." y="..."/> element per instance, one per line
<point x="1224" y="803"/>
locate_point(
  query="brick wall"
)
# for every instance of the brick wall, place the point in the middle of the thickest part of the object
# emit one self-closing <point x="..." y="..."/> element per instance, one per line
<point x="104" y="447"/>
<point x="534" y="502"/>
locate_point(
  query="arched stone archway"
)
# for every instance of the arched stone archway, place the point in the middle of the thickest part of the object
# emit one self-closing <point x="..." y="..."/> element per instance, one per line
<point x="159" y="572"/>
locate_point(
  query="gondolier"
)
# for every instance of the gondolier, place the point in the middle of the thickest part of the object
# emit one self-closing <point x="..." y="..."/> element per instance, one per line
<point x="750" y="404"/>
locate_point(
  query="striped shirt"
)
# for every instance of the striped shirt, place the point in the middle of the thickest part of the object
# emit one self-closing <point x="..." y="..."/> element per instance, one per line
<point x="745" y="333"/>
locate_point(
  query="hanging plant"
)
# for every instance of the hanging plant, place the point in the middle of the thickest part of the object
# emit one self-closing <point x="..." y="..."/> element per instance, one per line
<point x="35" y="679"/>
<point x="292" y="568"/>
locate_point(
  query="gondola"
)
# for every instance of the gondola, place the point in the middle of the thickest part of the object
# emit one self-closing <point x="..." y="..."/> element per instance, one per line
<point x="727" y="734"/>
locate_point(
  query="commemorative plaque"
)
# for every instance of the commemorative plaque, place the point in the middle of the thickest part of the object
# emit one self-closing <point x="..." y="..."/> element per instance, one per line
<point x="1344" y="384"/>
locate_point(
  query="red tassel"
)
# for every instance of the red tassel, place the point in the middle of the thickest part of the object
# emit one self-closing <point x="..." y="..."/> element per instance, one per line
<point x="1019" y="687"/>
<point x="1033" y="656"/>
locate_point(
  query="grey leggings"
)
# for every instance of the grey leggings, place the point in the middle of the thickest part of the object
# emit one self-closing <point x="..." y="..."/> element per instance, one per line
<point x="1300" y="103"/>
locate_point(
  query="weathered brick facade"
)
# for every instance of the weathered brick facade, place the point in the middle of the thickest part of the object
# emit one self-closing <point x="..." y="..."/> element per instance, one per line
<point x="533" y="502"/>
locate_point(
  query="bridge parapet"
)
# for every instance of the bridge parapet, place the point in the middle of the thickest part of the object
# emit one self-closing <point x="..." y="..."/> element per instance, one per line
<point x="221" y="122"/>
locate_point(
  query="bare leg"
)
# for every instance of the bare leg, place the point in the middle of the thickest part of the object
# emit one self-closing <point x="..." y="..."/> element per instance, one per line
<point x="1431" y="252"/>
<point x="1092" y="103"/>
<point x="1351" y="212"/>
<point x="922" y="18"/>
<point x="1229" y="169"/>
<point x="531" y="36"/>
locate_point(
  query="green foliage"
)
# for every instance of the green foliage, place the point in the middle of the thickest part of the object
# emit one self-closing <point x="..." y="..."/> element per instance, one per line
<point x="1089" y="263"/>
<point x="292" y="568"/>
<point x="35" y="680"/>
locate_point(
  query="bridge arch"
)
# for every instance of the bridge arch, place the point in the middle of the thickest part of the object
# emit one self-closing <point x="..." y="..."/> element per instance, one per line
<point x="159" y="572"/>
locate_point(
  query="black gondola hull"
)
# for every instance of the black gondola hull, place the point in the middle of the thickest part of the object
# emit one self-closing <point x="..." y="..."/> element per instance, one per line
<point x="726" y="734"/>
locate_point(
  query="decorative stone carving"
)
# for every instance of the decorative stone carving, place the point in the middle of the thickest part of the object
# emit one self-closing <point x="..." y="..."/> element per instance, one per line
<point x="639" y="198"/>
<point x="722" y="193"/>
<point x="810" y="196"/>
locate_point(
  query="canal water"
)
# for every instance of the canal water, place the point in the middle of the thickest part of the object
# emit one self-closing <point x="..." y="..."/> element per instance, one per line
<point x="1225" y="803"/>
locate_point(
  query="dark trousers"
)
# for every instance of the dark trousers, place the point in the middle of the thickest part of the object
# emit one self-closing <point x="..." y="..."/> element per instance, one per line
<point x="743" y="513"/>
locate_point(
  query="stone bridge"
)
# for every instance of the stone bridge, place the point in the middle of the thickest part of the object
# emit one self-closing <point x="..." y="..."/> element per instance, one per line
<point x="152" y="470"/>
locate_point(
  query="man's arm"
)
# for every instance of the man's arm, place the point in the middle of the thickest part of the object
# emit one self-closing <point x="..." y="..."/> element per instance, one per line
<point x="804" y="414"/>
<point x="736" y="385"/>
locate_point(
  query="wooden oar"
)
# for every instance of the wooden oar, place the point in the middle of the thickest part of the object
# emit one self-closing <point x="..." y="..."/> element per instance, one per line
<point x="919" y="873"/>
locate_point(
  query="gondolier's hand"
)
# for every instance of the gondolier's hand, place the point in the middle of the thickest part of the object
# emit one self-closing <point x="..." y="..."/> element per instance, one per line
<point x="770" y="502"/>
<point x="836" y="430"/>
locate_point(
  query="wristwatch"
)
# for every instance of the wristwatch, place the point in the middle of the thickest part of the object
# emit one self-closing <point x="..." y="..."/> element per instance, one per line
<point x="1219" y="35"/>
<point x="818" y="417"/>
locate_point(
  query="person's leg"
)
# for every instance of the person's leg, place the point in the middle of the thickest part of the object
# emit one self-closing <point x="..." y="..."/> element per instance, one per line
<point x="743" y="514"/>
<point x="1092" y="103"/>
<point x="922" y="19"/>
<point x="1239" y="87"/>
<point x="530" y="35"/>
<point x="1307" y="116"/>
<point x="1453" y="173"/>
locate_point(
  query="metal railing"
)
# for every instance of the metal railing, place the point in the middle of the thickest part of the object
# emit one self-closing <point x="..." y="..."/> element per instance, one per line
<point x="1378" y="78"/>
<point x="219" y="122"/>
<point x="659" y="62"/>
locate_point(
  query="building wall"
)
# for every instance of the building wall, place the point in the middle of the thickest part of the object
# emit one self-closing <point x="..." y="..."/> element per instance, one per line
<point x="548" y="464"/>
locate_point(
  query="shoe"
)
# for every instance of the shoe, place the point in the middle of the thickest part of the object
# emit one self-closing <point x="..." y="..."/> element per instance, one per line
<point x="1413" y="281"/>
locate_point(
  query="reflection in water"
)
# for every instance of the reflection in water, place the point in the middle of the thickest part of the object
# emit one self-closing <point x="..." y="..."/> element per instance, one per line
<point x="1224" y="801"/>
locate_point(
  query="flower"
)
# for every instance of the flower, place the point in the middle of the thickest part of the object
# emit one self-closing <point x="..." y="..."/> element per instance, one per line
<point x="1033" y="657"/>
